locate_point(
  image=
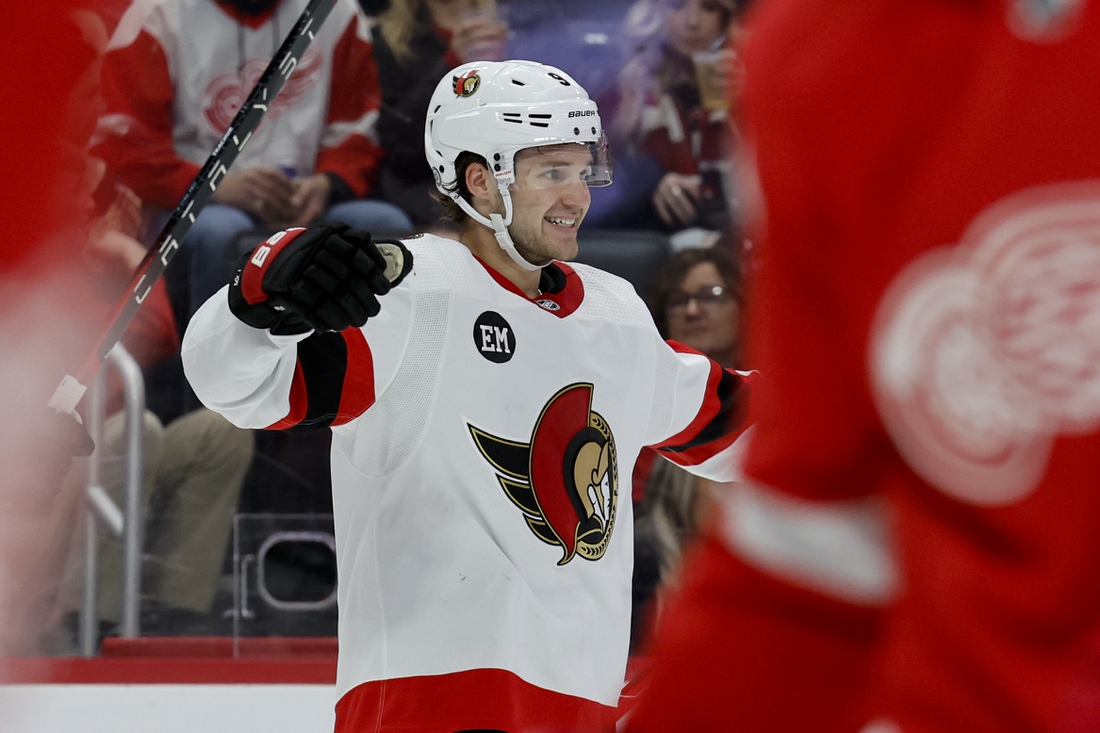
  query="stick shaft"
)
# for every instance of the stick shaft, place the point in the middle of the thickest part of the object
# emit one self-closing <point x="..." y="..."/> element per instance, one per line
<point x="71" y="390"/>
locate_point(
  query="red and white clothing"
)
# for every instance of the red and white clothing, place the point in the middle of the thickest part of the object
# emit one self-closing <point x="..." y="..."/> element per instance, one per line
<point x="925" y="314"/>
<point x="672" y="126"/>
<point x="177" y="71"/>
<point x="689" y="142"/>
<point x="482" y="450"/>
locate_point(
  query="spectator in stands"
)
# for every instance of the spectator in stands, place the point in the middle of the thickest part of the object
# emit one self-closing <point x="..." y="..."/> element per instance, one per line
<point x="417" y="43"/>
<point x="670" y="119"/>
<point x="695" y="299"/>
<point x="176" y="72"/>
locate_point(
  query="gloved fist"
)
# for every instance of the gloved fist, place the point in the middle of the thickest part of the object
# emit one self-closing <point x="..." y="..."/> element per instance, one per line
<point x="323" y="278"/>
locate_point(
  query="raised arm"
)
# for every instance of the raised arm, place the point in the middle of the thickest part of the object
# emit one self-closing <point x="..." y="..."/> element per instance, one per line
<point x="282" y="346"/>
<point x="700" y="412"/>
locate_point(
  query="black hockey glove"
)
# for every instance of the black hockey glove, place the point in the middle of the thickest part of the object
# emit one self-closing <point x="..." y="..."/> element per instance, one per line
<point x="323" y="278"/>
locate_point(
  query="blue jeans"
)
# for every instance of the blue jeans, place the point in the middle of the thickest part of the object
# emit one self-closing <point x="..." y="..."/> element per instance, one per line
<point x="210" y="248"/>
<point x="371" y="215"/>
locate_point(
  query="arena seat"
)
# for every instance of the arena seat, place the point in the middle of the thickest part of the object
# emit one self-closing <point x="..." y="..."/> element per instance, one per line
<point x="632" y="254"/>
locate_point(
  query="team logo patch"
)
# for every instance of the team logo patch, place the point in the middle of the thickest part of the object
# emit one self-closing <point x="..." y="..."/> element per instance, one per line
<point x="466" y="84"/>
<point x="494" y="338"/>
<point x="985" y="352"/>
<point x="225" y="93"/>
<point x="565" y="480"/>
<point x="548" y="304"/>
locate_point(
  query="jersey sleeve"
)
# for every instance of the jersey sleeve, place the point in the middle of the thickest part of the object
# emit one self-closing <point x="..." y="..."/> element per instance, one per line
<point x="302" y="382"/>
<point x="700" y="411"/>
<point x="349" y="143"/>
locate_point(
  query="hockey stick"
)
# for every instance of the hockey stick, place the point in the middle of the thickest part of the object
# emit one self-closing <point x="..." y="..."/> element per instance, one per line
<point x="72" y="388"/>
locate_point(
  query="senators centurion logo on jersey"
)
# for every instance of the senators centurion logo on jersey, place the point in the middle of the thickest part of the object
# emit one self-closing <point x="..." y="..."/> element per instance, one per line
<point x="466" y="84"/>
<point x="565" y="481"/>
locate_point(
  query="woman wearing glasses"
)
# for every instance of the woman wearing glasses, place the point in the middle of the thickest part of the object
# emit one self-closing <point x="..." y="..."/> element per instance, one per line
<point x="696" y="300"/>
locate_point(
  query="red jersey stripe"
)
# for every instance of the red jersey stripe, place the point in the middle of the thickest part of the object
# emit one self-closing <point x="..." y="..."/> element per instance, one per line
<point x="354" y="158"/>
<point x="358" y="392"/>
<point x="299" y="402"/>
<point x="706" y="451"/>
<point x="561" y="304"/>
<point x="494" y="699"/>
<point x="144" y="157"/>
<point x="708" y="411"/>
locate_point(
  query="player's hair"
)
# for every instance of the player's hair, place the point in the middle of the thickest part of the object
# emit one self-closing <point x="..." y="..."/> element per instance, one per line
<point x="451" y="210"/>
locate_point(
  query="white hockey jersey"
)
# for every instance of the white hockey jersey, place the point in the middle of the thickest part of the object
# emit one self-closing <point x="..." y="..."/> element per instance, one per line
<point x="480" y="444"/>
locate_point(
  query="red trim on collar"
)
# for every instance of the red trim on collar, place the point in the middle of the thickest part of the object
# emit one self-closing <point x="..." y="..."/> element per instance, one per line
<point x="252" y="21"/>
<point x="560" y="304"/>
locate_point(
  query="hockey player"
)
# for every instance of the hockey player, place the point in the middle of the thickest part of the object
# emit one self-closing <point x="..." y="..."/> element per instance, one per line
<point x="485" y="408"/>
<point x="925" y="312"/>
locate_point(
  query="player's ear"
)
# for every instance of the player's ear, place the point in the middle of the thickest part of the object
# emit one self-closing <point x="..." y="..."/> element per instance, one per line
<point x="481" y="185"/>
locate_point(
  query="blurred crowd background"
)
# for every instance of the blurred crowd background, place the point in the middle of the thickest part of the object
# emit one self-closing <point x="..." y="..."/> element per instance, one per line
<point x="921" y="528"/>
<point x="142" y="102"/>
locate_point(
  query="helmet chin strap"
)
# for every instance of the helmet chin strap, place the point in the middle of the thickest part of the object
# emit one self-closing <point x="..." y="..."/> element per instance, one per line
<point x="499" y="225"/>
<point x="504" y="239"/>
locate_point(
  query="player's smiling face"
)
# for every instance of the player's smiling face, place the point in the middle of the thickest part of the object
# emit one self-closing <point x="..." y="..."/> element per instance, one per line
<point x="549" y="198"/>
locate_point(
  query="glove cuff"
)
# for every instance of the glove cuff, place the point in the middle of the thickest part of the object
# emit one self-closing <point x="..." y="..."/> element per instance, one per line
<point x="247" y="299"/>
<point x="255" y="264"/>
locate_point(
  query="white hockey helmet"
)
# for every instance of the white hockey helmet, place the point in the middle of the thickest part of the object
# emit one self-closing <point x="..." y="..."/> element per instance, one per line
<point x="496" y="109"/>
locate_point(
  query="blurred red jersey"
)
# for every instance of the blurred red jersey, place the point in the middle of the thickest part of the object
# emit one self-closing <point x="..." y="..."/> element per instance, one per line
<point x="927" y="315"/>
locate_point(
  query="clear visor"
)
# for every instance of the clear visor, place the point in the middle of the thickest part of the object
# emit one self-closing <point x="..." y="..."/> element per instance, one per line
<point x="564" y="164"/>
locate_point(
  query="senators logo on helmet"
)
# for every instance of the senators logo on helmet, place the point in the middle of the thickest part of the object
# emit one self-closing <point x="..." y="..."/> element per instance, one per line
<point x="466" y="84"/>
<point x="565" y="480"/>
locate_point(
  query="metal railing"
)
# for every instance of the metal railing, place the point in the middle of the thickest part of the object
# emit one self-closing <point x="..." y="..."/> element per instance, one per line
<point x="126" y="524"/>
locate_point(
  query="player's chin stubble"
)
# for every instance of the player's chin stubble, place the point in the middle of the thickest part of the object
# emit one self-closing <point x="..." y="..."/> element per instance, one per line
<point x="537" y="248"/>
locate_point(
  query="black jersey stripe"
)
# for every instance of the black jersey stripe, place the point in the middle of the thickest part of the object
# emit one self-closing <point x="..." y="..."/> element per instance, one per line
<point x="323" y="358"/>
<point x="733" y="399"/>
